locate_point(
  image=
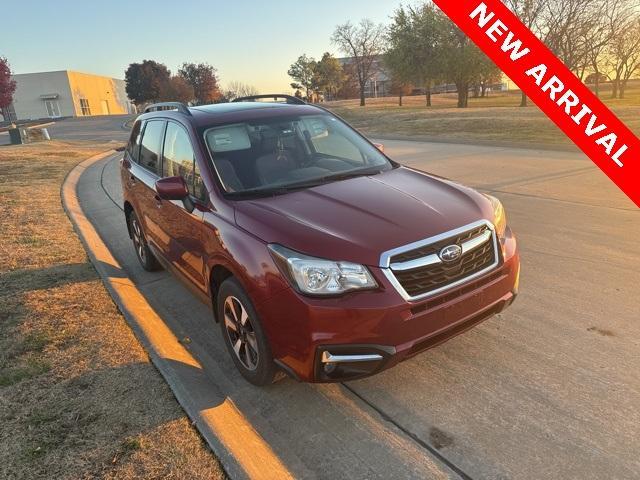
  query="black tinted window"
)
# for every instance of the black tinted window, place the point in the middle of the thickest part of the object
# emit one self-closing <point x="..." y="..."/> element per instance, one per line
<point x="133" y="147"/>
<point x="151" y="141"/>
<point x="179" y="159"/>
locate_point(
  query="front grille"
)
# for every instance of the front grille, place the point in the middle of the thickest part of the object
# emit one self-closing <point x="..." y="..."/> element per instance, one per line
<point x="422" y="280"/>
<point x="434" y="248"/>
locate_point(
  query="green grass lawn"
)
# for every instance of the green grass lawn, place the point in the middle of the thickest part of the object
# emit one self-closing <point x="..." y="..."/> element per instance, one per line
<point x="496" y="119"/>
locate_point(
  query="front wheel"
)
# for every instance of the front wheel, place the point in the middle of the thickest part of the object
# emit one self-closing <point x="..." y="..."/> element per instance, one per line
<point x="243" y="334"/>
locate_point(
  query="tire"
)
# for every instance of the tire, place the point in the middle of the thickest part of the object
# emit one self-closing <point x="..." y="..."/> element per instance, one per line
<point x="145" y="256"/>
<point x="243" y="334"/>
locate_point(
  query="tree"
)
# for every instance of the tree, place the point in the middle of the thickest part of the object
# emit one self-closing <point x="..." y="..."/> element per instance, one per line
<point x="204" y="81"/>
<point x="461" y="61"/>
<point x="529" y="12"/>
<point x="412" y="55"/>
<point x="567" y="27"/>
<point x="364" y="44"/>
<point x="328" y="75"/>
<point x="488" y="74"/>
<point x="303" y="72"/>
<point x="7" y="87"/>
<point x="400" y="88"/>
<point x="238" y="89"/>
<point x="177" y="89"/>
<point x="146" y="81"/>
<point x="624" y="55"/>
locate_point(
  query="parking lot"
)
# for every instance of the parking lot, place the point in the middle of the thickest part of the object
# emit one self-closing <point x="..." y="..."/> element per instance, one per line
<point x="548" y="389"/>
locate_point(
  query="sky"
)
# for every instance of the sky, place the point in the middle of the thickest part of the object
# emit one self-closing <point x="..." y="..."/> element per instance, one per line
<point x="253" y="42"/>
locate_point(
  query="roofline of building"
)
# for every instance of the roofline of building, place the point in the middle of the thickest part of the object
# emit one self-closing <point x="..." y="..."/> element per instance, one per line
<point x="67" y="71"/>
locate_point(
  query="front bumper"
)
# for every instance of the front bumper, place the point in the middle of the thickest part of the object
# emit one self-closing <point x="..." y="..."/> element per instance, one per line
<point x="380" y="327"/>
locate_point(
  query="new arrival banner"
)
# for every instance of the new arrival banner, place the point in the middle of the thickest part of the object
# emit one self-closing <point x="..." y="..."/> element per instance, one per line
<point x="553" y="87"/>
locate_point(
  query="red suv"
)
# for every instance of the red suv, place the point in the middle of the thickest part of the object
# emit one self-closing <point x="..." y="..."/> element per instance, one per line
<point x="319" y="255"/>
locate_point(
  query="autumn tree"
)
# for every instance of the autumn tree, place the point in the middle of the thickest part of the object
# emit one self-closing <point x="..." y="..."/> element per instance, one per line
<point x="203" y="79"/>
<point x="364" y="43"/>
<point x="177" y="89"/>
<point x="7" y="87"/>
<point x="303" y="72"/>
<point x="146" y="81"/>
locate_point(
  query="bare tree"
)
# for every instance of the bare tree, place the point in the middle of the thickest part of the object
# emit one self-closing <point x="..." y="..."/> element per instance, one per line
<point x="364" y="43"/>
<point x="624" y="54"/>
<point x="599" y="41"/>
<point x="529" y="12"/>
<point x="238" y="89"/>
<point x="567" y="26"/>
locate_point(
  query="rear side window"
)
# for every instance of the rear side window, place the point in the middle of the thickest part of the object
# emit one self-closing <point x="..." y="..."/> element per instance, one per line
<point x="133" y="147"/>
<point x="150" y="145"/>
<point x="179" y="159"/>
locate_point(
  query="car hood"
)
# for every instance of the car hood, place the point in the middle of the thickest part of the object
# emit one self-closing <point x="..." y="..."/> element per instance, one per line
<point x="359" y="218"/>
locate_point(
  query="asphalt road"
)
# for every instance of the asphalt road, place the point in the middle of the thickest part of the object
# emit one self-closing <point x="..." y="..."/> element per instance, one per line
<point x="548" y="389"/>
<point x="98" y="129"/>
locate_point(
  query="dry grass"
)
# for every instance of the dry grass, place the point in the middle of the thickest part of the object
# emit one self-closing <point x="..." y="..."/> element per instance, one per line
<point x="78" y="395"/>
<point x="496" y="119"/>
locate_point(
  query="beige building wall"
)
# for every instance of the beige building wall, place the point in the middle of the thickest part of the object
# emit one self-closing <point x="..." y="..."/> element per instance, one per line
<point x="31" y="88"/>
<point x="104" y="95"/>
<point x="60" y="94"/>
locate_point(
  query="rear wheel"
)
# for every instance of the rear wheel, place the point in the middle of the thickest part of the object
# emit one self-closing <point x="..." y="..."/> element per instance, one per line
<point x="144" y="254"/>
<point x="243" y="334"/>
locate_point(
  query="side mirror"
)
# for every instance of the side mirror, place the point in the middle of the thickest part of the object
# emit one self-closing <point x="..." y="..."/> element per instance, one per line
<point x="379" y="146"/>
<point x="174" y="188"/>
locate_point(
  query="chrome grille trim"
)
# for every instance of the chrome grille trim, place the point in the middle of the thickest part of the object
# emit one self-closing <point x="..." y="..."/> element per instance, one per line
<point x="388" y="267"/>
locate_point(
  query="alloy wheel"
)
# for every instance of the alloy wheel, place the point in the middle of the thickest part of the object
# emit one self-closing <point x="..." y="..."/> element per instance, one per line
<point x="241" y="332"/>
<point x="138" y="239"/>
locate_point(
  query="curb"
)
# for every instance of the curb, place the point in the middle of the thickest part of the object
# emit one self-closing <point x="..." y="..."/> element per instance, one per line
<point x="242" y="452"/>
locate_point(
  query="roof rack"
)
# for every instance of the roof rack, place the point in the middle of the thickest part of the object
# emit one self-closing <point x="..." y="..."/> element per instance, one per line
<point x="156" y="107"/>
<point x="275" y="96"/>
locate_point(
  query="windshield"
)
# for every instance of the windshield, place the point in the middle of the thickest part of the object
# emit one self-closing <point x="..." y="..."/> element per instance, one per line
<point x="281" y="154"/>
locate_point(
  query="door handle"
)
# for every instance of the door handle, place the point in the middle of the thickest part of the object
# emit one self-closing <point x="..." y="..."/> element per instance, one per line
<point x="158" y="200"/>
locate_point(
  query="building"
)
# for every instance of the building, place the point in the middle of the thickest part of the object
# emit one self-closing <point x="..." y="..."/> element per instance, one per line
<point x="66" y="93"/>
<point x="379" y="85"/>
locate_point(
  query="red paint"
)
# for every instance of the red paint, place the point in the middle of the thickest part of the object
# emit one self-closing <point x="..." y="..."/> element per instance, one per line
<point x="172" y="188"/>
<point x="353" y="220"/>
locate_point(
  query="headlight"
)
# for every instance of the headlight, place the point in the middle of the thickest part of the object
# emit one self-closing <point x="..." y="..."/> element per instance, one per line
<point x="316" y="276"/>
<point x="499" y="216"/>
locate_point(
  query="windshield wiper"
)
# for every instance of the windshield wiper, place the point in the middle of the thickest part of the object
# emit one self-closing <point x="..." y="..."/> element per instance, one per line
<point x="279" y="190"/>
<point x="314" y="182"/>
<point x="352" y="174"/>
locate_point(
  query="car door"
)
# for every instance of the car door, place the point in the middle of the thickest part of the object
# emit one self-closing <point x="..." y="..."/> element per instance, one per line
<point x="183" y="227"/>
<point x="144" y="174"/>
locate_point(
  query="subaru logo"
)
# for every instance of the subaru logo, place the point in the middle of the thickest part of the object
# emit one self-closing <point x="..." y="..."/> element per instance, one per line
<point x="450" y="253"/>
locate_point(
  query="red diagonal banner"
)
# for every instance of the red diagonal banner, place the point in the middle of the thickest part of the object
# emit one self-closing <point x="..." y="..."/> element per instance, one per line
<point x="553" y="87"/>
